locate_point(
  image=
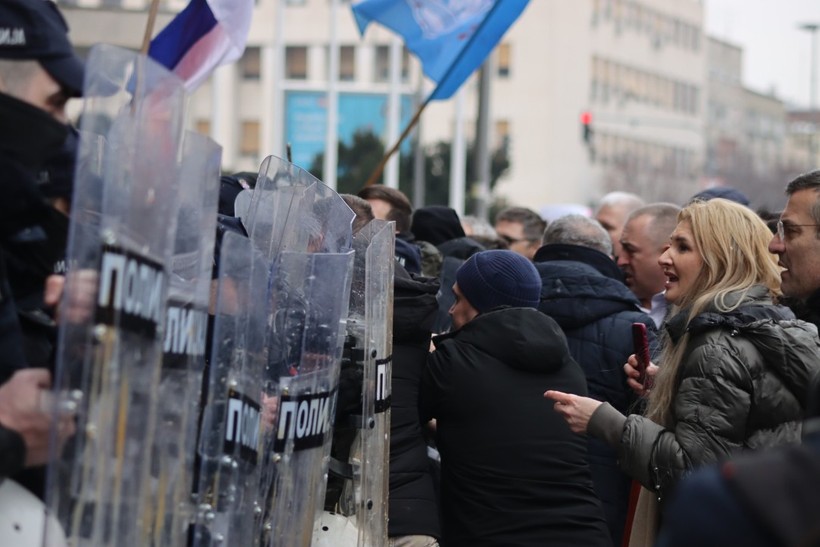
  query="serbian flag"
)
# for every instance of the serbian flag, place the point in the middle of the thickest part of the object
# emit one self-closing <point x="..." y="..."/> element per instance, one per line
<point x="206" y="34"/>
<point x="451" y="38"/>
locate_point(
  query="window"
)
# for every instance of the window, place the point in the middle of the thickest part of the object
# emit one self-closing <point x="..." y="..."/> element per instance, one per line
<point x="382" y="64"/>
<point x="250" y="63"/>
<point x="504" y="60"/>
<point x="382" y="71"/>
<point x="249" y="139"/>
<point x="347" y="63"/>
<point x="203" y="126"/>
<point x="296" y="62"/>
<point x="502" y="134"/>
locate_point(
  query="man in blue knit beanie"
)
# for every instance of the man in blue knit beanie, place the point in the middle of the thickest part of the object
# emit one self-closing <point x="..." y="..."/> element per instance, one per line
<point x="511" y="474"/>
<point x="491" y="279"/>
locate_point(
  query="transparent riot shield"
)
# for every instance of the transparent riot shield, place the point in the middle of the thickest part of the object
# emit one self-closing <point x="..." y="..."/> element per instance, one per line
<point x="170" y="508"/>
<point x="236" y="411"/>
<point x="291" y="210"/>
<point x="278" y="204"/>
<point x="110" y="339"/>
<point x="358" y="482"/>
<point x="371" y="480"/>
<point x="310" y="292"/>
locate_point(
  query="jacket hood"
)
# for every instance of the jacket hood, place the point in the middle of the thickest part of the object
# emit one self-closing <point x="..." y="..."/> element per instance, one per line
<point x="576" y="294"/>
<point x="436" y="224"/>
<point x="576" y="253"/>
<point x="461" y="247"/>
<point x="756" y="305"/>
<point x="522" y="338"/>
<point x="414" y="306"/>
<point x="789" y="347"/>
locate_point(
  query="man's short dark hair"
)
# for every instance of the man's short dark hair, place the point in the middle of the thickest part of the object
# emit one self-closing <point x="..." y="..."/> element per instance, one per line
<point x="363" y="210"/>
<point x="400" y="209"/>
<point x="808" y="181"/>
<point x="664" y="218"/>
<point x="532" y="223"/>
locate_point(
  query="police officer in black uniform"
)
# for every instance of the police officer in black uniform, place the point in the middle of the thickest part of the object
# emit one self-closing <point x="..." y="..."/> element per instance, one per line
<point x="39" y="72"/>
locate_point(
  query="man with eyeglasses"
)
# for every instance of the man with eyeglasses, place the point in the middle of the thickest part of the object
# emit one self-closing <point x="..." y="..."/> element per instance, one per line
<point x="797" y="244"/>
<point x="521" y="228"/>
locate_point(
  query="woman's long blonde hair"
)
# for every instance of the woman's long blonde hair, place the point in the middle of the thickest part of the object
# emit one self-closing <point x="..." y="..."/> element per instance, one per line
<point x="734" y="245"/>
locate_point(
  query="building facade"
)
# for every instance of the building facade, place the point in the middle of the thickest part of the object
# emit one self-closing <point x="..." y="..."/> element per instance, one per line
<point x="636" y="68"/>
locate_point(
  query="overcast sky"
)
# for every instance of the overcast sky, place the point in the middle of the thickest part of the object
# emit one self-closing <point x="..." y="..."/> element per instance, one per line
<point x="776" y="54"/>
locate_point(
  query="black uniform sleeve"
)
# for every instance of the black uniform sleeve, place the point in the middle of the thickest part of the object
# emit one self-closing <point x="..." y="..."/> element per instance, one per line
<point x="12" y="452"/>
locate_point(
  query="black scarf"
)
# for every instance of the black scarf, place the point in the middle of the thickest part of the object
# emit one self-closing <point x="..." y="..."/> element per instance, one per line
<point x="28" y="136"/>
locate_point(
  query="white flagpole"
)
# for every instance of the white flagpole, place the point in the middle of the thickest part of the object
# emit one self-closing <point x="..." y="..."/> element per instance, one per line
<point x="393" y="111"/>
<point x="223" y="112"/>
<point x="458" y="157"/>
<point x="331" y="135"/>
<point x="273" y="76"/>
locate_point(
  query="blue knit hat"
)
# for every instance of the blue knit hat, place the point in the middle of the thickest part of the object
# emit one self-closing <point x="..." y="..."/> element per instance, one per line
<point x="725" y="192"/>
<point x="499" y="278"/>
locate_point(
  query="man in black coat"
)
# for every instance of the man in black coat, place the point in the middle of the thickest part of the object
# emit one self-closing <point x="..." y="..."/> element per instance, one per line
<point x="413" y="507"/>
<point x="511" y="473"/>
<point x="583" y="290"/>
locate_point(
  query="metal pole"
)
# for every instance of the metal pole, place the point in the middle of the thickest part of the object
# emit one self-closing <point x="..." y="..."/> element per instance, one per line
<point x="458" y="157"/>
<point x="273" y="77"/>
<point x="813" y="83"/>
<point x="482" y="144"/>
<point x="418" y="153"/>
<point x="812" y="28"/>
<point x="391" y="175"/>
<point x="331" y="134"/>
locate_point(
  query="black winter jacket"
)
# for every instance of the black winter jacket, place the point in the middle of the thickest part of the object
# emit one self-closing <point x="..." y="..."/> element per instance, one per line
<point x="584" y="292"/>
<point x="742" y="385"/>
<point x="512" y="471"/>
<point x="413" y="507"/>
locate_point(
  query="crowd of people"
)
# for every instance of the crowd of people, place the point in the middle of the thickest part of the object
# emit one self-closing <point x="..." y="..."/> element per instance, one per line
<point x="521" y="414"/>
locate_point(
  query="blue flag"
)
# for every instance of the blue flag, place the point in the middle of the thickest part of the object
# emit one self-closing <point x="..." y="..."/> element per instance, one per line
<point x="451" y="38"/>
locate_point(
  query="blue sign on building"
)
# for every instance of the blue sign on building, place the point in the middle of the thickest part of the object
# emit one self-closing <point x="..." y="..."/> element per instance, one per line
<point x="306" y="120"/>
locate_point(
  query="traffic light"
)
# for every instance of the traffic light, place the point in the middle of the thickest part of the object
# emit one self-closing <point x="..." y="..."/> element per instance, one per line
<point x="586" y="127"/>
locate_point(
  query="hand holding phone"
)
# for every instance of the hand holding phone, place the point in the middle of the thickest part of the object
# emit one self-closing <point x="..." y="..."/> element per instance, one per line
<point x="641" y="343"/>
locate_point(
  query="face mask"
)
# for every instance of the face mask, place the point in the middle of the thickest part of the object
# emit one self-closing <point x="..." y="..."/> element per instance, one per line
<point x="35" y="136"/>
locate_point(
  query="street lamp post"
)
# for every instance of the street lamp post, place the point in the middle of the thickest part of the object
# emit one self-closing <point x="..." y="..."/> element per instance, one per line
<point x="812" y="28"/>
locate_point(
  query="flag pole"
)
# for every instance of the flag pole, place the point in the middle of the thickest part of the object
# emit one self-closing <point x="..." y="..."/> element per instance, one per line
<point x="146" y="43"/>
<point x="410" y="125"/>
<point x="149" y="27"/>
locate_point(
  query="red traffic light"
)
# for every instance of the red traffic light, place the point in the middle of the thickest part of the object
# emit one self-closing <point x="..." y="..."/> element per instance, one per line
<point x="586" y="117"/>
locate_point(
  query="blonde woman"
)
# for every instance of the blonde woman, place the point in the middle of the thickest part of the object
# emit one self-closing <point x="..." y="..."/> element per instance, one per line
<point x="735" y="366"/>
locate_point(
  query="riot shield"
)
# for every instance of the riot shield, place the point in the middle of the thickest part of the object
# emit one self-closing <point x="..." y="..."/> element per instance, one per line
<point x="310" y="276"/>
<point x="236" y="410"/>
<point x="110" y="338"/>
<point x="173" y="446"/>
<point x="372" y="480"/>
<point x="358" y="483"/>
<point x="311" y="295"/>
<point x="278" y="204"/>
<point x="291" y="210"/>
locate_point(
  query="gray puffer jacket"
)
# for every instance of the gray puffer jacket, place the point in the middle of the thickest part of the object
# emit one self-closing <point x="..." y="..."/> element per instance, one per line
<point x="742" y="386"/>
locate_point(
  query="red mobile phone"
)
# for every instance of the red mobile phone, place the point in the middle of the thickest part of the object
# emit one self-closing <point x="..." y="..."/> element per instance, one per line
<point x="641" y="343"/>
